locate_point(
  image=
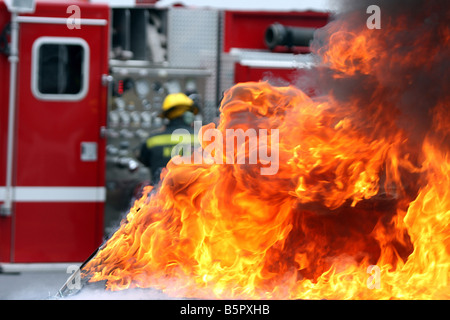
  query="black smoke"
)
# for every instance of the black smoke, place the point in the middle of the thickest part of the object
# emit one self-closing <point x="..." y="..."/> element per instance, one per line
<point x="410" y="76"/>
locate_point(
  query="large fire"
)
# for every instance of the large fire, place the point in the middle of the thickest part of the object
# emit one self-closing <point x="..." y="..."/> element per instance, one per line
<point x="360" y="205"/>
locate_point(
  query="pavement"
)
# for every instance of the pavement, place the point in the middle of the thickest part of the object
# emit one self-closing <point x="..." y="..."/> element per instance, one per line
<point x="33" y="281"/>
<point x="44" y="281"/>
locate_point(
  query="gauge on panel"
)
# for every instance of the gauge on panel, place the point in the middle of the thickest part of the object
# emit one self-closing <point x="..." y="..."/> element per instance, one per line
<point x="142" y="87"/>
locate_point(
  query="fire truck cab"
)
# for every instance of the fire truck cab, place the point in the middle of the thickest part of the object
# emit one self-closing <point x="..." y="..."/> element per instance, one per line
<point x="82" y="83"/>
<point x="53" y="198"/>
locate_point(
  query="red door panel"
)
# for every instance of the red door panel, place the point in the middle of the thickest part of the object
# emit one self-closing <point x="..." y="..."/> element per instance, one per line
<point x="50" y="132"/>
<point x="56" y="232"/>
<point x="59" y="152"/>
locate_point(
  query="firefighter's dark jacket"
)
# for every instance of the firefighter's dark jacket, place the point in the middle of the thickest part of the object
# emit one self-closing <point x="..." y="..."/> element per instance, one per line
<point x="156" y="152"/>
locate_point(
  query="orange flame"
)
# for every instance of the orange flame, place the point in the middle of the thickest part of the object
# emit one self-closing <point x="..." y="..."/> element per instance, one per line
<point x="359" y="207"/>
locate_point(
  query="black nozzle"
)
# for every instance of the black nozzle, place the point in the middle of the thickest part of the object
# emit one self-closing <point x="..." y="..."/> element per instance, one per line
<point x="280" y="35"/>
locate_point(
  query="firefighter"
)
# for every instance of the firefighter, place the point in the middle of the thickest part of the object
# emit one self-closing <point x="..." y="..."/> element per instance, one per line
<point x="156" y="151"/>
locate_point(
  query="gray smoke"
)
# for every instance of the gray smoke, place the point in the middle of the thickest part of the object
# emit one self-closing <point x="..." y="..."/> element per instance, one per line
<point x="410" y="75"/>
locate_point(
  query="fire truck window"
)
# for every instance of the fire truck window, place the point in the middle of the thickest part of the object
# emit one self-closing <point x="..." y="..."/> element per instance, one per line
<point x="60" y="68"/>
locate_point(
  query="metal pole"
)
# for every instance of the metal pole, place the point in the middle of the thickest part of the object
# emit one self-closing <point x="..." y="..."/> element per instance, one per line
<point x="6" y="209"/>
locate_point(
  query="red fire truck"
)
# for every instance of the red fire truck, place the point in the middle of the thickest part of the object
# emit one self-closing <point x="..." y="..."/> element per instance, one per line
<point x="82" y="83"/>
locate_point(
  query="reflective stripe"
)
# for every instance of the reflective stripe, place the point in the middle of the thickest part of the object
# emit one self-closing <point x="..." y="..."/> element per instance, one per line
<point x="56" y="194"/>
<point x="169" y="139"/>
<point x="52" y="20"/>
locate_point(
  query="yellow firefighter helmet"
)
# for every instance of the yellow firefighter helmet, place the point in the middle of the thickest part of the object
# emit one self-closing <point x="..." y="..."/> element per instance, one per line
<point x="175" y="104"/>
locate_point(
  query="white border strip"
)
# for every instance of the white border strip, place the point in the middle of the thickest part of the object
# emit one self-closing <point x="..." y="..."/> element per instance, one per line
<point x="276" y="64"/>
<point x="37" y="267"/>
<point x="51" y="20"/>
<point x="56" y="194"/>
